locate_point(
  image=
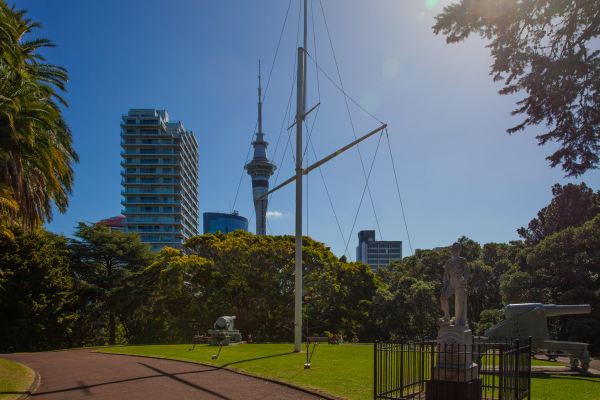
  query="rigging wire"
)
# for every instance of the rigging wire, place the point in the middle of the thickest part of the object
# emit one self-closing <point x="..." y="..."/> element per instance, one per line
<point x="341" y="90"/>
<point x="362" y="164"/>
<point x="398" y="190"/>
<point x="264" y="97"/>
<point x="310" y="132"/>
<point x="363" y="192"/>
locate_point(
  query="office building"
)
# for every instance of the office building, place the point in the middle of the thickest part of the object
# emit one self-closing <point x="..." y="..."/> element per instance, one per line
<point x="224" y="223"/>
<point x="260" y="169"/>
<point x="377" y="253"/>
<point x="160" y="178"/>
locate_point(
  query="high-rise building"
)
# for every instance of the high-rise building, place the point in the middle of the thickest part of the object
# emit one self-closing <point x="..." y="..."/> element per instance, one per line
<point x="377" y="253"/>
<point x="224" y="223"/>
<point x="260" y="169"/>
<point x="160" y="178"/>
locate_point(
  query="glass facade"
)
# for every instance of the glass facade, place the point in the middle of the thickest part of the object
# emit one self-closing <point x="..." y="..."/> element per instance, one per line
<point x="224" y="223"/>
<point x="377" y="253"/>
<point x="160" y="178"/>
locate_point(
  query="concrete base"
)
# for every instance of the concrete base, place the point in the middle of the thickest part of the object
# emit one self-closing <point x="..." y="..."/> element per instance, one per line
<point x="456" y="374"/>
<point x="452" y="390"/>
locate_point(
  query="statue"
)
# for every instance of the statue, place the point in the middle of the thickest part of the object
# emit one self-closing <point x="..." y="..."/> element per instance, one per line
<point x="454" y="375"/>
<point x="455" y="283"/>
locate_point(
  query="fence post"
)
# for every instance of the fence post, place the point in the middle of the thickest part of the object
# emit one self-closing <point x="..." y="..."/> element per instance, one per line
<point x="501" y="377"/>
<point x="375" y="371"/>
<point x="529" y="370"/>
<point x="517" y="374"/>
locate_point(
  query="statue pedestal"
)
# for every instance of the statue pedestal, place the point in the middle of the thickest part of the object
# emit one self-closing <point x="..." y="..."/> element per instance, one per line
<point x="455" y="375"/>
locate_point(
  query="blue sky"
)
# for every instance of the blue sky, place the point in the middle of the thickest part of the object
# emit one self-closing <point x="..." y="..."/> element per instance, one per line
<point x="460" y="173"/>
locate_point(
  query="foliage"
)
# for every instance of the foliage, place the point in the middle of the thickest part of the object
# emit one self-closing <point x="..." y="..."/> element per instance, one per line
<point x="572" y="205"/>
<point x="545" y="49"/>
<point x="566" y="270"/>
<point x="487" y="319"/>
<point x="37" y="293"/>
<point x="104" y="286"/>
<point x="103" y="260"/>
<point x="252" y="277"/>
<point x="36" y="153"/>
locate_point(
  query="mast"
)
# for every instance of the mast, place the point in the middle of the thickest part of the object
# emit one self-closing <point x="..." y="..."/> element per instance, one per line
<point x="300" y="112"/>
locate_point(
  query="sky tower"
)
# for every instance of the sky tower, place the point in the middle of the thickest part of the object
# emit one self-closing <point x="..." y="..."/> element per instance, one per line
<point x="260" y="169"/>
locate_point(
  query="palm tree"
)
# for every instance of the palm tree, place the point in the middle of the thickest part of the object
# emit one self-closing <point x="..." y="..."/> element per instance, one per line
<point x="36" y="153"/>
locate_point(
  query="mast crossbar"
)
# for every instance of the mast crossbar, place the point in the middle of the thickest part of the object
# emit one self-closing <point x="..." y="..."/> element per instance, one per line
<point x="325" y="159"/>
<point x="305" y="115"/>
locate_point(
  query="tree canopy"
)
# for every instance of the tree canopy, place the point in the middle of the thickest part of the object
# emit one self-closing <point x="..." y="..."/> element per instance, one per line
<point x="572" y="205"/>
<point x="105" y="287"/>
<point x="546" y="51"/>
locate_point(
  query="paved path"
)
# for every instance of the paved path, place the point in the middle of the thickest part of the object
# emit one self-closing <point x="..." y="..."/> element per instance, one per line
<point x="81" y="374"/>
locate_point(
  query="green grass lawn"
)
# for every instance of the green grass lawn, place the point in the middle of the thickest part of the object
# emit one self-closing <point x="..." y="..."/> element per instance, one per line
<point x="344" y="370"/>
<point x="15" y="379"/>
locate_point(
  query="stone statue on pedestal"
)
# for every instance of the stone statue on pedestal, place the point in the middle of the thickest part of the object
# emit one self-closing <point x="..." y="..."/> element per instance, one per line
<point x="455" y="283"/>
<point x="455" y="376"/>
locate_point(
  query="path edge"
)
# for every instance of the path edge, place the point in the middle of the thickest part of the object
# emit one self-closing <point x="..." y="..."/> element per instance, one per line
<point x="314" y="392"/>
<point x="34" y="385"/>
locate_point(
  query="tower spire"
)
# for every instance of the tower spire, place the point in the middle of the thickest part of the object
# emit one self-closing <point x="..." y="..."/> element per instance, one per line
<point x="259" y="101"/>
<point x="260" y="169"/>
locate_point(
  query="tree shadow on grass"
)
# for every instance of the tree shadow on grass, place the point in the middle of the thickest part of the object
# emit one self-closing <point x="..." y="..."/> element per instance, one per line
<point x="160" y="373"/>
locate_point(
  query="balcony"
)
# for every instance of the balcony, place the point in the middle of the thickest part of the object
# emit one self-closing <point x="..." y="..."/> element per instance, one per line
<point x="142" y="153"/>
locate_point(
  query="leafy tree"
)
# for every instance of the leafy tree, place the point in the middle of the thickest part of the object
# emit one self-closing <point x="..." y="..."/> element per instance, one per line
<point x="483" y="291"/>
<point x="36" y="153"/>
<point x="38" y="305"/>
<point x="487" y="319"/>
<point x="545" y="49"/>
<point x="252" y="277"/>
<point x="103" y="260"/>
<point x="572" y="205"/>
<point x="563" y="268"/>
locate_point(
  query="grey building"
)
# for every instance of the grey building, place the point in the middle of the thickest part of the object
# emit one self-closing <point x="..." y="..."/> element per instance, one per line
<point x="377" y="253"/>
<point x="224" y="223"/>
<point x="160" y="178"/>
<point x="260" y="169"/>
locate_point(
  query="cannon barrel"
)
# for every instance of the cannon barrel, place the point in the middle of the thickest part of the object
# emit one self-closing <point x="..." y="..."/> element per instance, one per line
<point x="548" y="310"/>
<point x="554" y="310"/>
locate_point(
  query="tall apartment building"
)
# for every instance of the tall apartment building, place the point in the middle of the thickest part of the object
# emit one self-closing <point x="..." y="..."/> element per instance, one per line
<point x="160" y="178"/>
<point x="377" y="253"/>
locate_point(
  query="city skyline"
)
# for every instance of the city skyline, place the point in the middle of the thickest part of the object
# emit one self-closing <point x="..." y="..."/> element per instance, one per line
<point x="454" y="172"/>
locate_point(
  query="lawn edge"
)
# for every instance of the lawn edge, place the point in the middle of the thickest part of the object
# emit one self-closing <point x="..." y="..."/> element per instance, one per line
<point x="308" y="390"/>
<point x="33" y="385"/>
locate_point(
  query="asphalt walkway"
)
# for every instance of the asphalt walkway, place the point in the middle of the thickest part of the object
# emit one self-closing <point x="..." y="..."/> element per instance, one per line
<point x="82" y="374"/>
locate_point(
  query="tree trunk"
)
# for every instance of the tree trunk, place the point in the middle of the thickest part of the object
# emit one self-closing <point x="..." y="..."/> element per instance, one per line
<point x="111" y="328"/>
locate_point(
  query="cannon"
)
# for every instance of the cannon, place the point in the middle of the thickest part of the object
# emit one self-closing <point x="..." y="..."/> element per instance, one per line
<point x="225" y="323"/>
<point x="224" y="332"/>
<point x="531" y="320"/>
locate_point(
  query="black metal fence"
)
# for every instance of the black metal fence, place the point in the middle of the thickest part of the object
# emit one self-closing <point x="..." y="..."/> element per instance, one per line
<point x="500" y="369"/>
